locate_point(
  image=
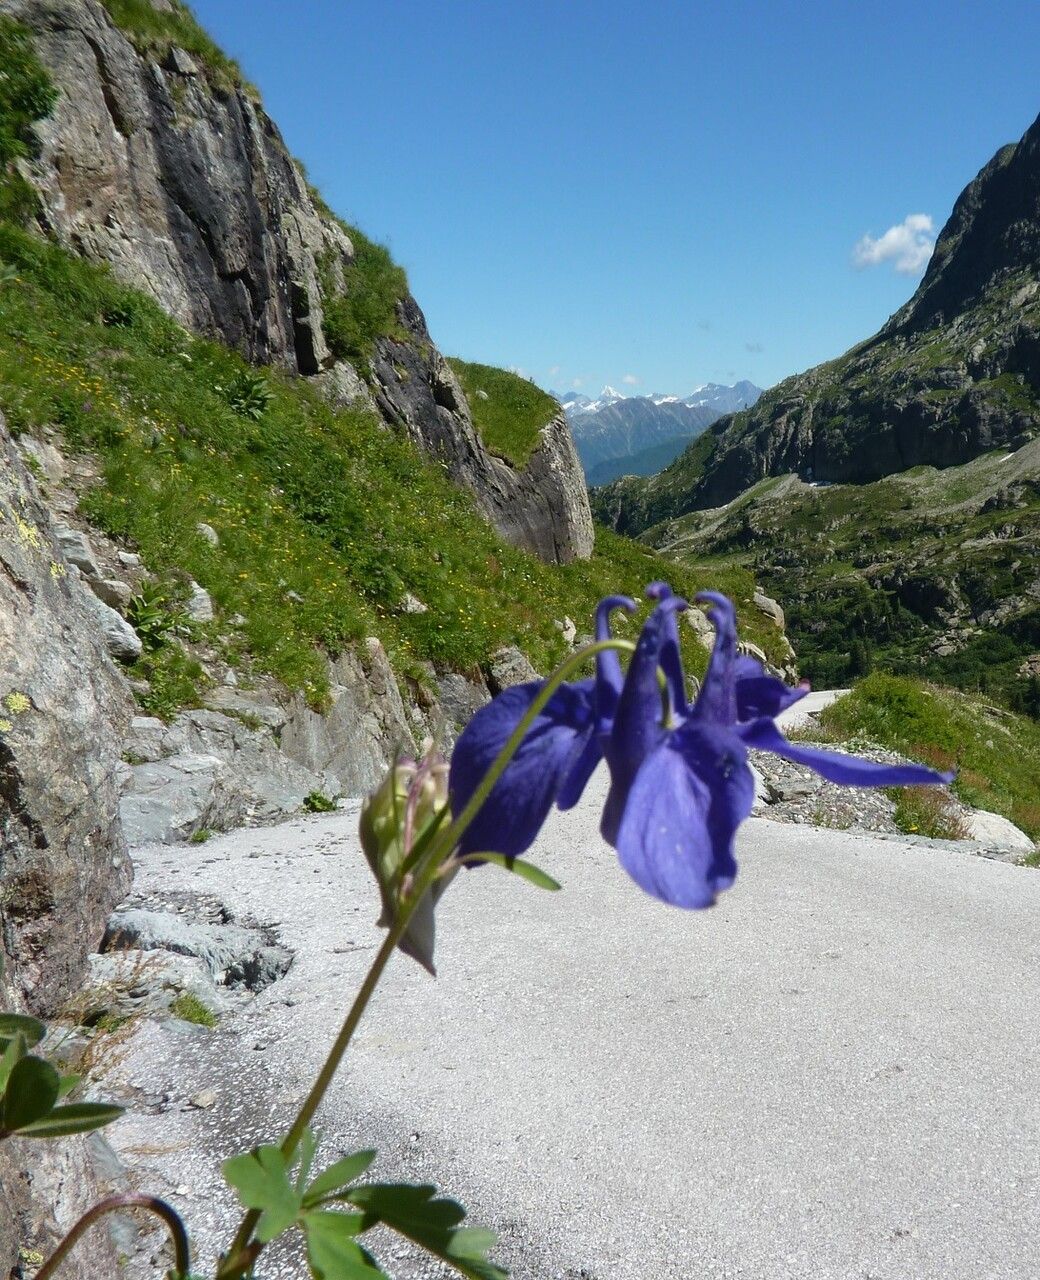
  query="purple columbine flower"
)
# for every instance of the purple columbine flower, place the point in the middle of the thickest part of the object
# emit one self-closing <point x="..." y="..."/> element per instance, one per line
<point x="680" y="783"/>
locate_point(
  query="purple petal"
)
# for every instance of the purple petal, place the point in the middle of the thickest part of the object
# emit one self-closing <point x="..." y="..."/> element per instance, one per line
<point x="511" y="817"/>
<point x="580" y="768"/>
<point x="761" y="695"/>
<point x="836" y="766"/>
<point x="717" y="701"/>
<point x="675" y="837"/>
<point x="670" y="660"/>
<point x="637" y="727"/>
<point x="608" y="663"/>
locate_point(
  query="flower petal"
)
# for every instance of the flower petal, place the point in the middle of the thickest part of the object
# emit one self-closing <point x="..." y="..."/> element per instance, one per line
<point x="716" y="701"/>
<point x="637" y="727"/>
<point x="670" y="659"/>
<point x="608" y="663"/>
<point x="587" y="754"/>
<point x="675" y="837"/>
<point x="835" y="766"/>
<point x="513" y="813"/>
<point x="759" y="694"/>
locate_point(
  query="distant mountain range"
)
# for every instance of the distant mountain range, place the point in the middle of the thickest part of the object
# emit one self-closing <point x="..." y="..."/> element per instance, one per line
<point x="638" y="435"/>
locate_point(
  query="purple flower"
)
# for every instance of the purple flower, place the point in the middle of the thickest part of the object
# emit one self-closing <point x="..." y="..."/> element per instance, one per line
<point x="680" y="783"/>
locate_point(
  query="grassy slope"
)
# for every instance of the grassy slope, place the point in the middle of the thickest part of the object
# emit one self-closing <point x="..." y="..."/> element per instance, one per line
<point x="508" y="411"/>
<point x="996" y="753"/>
<point x="154" y="32"/>
<point x="326" y="506"/>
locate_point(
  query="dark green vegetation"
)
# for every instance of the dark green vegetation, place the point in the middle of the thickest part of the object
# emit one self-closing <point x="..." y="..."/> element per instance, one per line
<point x="325" y="518"/>
<point x="26" y="94"/>
<point x="507" y="410"/>
<point x="996" y="753"/>
<point x="364" y="308"/>
<point x="932" y="573"/>
<point x="155" y="31"/>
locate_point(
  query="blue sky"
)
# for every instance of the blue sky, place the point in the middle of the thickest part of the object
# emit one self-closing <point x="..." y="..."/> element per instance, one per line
<point x="671" y="192"/>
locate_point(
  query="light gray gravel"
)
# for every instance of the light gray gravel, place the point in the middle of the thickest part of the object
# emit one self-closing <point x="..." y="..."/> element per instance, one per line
<point x="833" y="1075"/>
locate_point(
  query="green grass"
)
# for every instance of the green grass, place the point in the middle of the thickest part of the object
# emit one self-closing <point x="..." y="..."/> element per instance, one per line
<point x="26" y="95"/>
<point x="996" y="753"/>
<point x="189" y="1008"/>
<point x="328" y="506"/>
<point x="154" y="33"/>
<point x="365" y="307"/>
<point x="507" y="410"/>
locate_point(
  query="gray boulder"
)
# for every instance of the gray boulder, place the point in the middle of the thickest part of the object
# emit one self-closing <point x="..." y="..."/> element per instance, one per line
<point x="75" y="547"/>
<point x="199" y="606"/>
<point x="508" y="667"/>
<point x="121" y="640"/>
<point x="232" y="955"/>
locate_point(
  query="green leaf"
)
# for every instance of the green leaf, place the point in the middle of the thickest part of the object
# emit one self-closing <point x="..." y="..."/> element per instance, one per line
<point x="16" y="1049"/>
<point x="526" y="870"/>
<point x="66" y="1085"/>
<point x="337" y="1176"/>
<point x="77" y="1117"/>
<point x="332" y="1250"/>
<point x="415" y="1212"/>
<point x="32" y="1091"/>
<point x="261" y="1180"/>
<point x="12" y="1024"/>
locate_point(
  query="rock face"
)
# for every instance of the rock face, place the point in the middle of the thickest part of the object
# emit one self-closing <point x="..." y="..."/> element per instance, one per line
<point x="954" y="373"/>
<point x="64" y="708"/>
<point x="183" y="183"/>
<point x="63" y="862"/>
<point x="543" y="506"/>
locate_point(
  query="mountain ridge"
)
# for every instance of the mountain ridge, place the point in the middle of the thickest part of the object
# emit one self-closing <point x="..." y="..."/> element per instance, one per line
<point x="953" y="373"/>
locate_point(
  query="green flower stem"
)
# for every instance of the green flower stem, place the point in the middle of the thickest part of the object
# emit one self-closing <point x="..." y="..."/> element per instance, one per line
<point x="242" y="1254"/>
<point x="151" y="1204"/>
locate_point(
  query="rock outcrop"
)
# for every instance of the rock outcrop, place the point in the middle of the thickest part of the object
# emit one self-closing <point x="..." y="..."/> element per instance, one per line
<point x="953" y="374"/>
<point x="63" y="863"/>
<point x="182" y="182"/>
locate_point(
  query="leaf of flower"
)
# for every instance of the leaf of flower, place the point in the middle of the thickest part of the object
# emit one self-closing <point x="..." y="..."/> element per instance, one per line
<point x="261" y="1180"/>
<point x="333" y="1253"/>
<point x="77" y="1117"/>
<point x="337" y="1176"/>
<point x="32" y="1091"/>
<point x="519" y="866"/>
<point x="431" y="1222"/>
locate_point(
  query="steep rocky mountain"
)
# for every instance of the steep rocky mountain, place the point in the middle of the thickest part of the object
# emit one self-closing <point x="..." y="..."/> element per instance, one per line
<point x="952" y="374"/>
<point x="890" y="497"/>
<point x="163" y="163"/>
<point x="613" y="428"/>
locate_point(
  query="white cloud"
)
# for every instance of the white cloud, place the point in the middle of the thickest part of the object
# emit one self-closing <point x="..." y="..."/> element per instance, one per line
<point x="554" y="370"/>
<point x="577" y="382"/>
<point x="908" y="245"/>
<point x="630" y="380"/>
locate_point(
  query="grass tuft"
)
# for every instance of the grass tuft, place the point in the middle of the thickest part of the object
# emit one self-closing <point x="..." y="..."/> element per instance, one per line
<point x="189" y="1008"/>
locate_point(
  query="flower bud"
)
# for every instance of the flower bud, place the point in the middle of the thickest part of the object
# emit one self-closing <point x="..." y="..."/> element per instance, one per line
<point x="398" y="814"/>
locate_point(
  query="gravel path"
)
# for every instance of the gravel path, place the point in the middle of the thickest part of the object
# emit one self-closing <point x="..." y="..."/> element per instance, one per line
<point x="833" y="1075"/>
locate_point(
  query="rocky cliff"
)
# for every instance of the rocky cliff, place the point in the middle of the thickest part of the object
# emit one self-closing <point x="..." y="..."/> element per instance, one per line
<point x="954" y="373"/>
<point x="164" y="164"/>
<point x="63" y="859"/>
